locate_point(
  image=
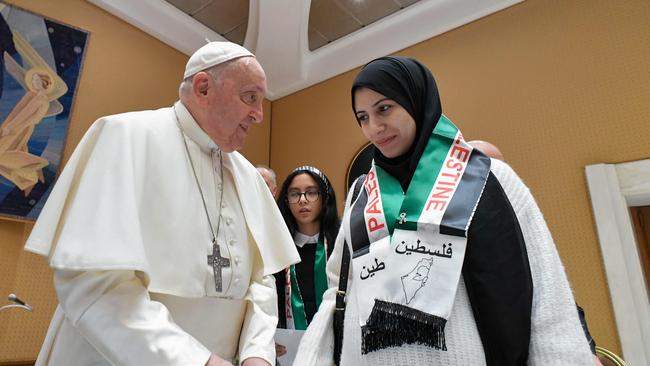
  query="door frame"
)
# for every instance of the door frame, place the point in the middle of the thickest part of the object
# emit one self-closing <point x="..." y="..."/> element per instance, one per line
<point x="614" y="188"/>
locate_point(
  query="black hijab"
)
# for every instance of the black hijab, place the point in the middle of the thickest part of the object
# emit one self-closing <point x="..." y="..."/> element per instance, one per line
<point x="411" y="85"/>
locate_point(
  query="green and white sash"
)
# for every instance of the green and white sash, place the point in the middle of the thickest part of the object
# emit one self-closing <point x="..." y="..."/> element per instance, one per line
<point x="408" y="249"/>
<point x="294" y="305"/>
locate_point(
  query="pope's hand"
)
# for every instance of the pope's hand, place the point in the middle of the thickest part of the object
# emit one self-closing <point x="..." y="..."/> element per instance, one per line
<point x="597" y="361"/>
<point x="255" y="361"/>
<point x="280" y="350"/>
<point x="217" y="361"/>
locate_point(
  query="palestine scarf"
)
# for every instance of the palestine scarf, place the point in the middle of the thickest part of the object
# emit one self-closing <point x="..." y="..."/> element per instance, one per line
<point x="407" y="258"/>
<point x="408" y="273"/>
<point x="294" y="305"/>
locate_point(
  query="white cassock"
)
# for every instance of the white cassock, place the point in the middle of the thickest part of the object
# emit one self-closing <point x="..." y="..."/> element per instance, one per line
<point x="126" y="231"/>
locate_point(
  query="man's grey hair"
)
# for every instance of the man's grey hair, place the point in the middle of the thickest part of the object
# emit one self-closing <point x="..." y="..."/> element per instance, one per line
<point x="217" y="72"/>
<point x="271" y="171"/>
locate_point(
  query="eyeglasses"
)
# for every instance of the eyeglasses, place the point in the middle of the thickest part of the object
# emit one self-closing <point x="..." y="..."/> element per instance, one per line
<point x="310" y="196"/>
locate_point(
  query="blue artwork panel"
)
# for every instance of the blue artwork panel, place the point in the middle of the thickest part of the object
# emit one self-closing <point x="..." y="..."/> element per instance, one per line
<point x="40" y="65"/>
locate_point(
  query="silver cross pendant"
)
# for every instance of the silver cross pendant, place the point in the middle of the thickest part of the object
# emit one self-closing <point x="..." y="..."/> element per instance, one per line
<point x="217" y="262"/>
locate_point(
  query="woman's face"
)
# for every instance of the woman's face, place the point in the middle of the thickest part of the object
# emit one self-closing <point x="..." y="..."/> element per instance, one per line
<point x="384" y="122"/>
<point x="307" y="209"/>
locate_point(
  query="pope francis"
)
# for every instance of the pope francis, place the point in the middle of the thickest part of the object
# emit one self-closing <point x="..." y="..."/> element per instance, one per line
<point x="162" y="237"/>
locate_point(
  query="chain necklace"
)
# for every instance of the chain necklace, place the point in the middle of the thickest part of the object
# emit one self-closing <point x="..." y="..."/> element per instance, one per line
<point x="215" y="259"/>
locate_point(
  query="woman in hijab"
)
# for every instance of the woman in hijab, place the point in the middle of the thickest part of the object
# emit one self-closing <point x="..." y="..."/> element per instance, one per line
<point x="443" y="257"/>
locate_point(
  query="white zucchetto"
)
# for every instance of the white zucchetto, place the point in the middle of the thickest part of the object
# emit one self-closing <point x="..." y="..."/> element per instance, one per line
<point x="214" y="53"/>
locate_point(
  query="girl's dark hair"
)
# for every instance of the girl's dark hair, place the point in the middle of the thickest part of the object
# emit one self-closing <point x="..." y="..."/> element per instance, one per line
<point x="329" y="219"/>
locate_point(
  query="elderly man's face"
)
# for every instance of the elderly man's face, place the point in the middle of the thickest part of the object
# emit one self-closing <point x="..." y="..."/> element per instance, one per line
<point x="235" y="104"/>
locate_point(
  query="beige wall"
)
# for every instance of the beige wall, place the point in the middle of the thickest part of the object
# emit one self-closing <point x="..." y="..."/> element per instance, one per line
<point x="556" y="84"/>
<point x="124" y="69"/>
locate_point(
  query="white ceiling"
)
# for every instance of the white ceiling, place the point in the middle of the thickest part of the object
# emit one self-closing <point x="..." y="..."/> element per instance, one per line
<point x="277" y="33"/>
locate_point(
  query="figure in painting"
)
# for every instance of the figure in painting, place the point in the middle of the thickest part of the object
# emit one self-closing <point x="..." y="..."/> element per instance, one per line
<point x="42" y="89"/>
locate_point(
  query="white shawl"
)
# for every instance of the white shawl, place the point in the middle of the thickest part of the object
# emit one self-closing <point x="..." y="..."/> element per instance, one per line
<point x="127" y="199"/>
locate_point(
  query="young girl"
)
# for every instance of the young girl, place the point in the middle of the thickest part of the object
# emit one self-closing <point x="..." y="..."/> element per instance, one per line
<point x="308" y="204"/>
<point x="444" y="256"/>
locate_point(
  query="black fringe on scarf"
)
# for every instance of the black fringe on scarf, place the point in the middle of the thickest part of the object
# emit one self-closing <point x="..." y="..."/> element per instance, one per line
<point x="392" y="325"/>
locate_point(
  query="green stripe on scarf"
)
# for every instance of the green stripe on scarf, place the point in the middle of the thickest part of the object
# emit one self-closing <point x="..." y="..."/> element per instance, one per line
<point x="320" y="285"/>
<point x="320" y="272"/>
<point x="394" y="201"/>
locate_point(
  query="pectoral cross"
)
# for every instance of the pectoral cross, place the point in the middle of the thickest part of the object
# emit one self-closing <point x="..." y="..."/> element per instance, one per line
<point x="217" y="262"/>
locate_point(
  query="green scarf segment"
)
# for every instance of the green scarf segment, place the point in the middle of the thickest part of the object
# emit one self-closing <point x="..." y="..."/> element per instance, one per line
<point x="393" y="199"/>
<point x="320" y="285"/>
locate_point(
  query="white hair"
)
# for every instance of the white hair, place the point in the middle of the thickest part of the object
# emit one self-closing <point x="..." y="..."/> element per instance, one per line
<point x="217" y="72"/>
<point x="269" y="170"/>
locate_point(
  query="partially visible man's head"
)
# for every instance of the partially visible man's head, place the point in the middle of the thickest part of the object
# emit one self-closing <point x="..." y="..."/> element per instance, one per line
<point x="487" y="148"/>
<point x="224" y="88"/>
<point x="269" y="177"/>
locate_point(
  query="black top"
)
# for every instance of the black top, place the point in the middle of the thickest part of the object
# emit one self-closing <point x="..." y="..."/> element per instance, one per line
<point x="498" y="280"/>
<point x="305" y="276"/>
